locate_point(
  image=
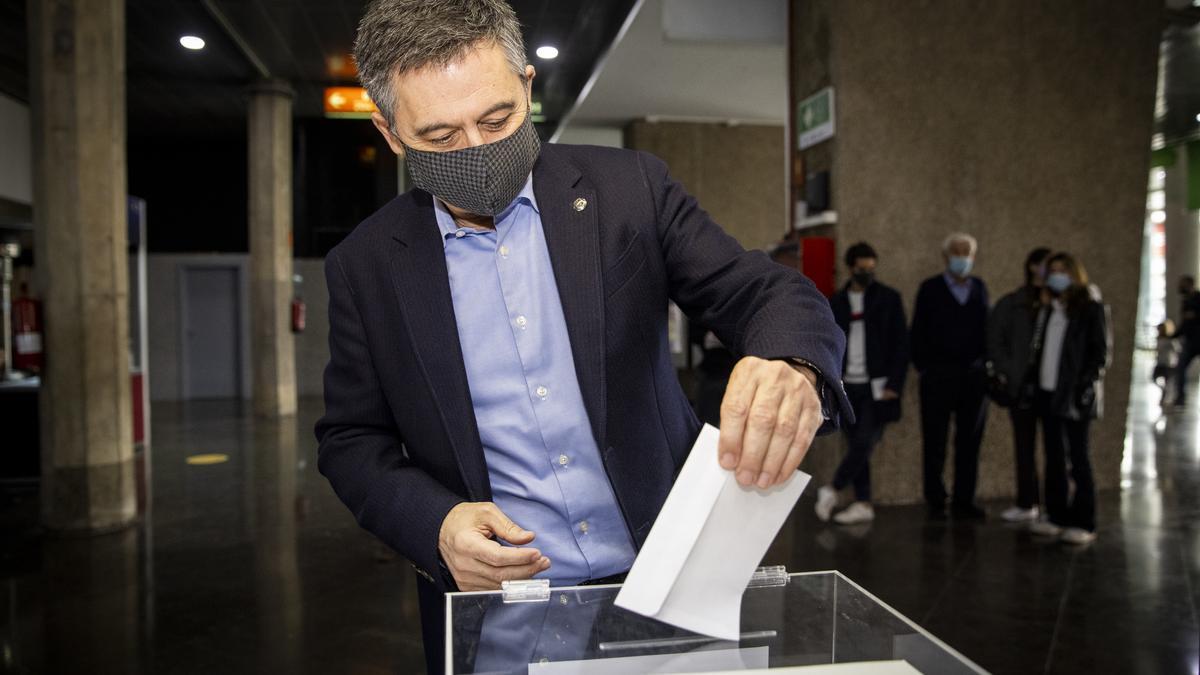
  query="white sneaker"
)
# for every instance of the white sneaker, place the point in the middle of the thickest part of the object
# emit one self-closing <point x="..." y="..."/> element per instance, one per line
<point x="1016" y="514"/>
<point x="1045" y="528"/>
<point x="1077" y="536"/>
<point x="827" y="498"/>
<point x="858" y="512"/>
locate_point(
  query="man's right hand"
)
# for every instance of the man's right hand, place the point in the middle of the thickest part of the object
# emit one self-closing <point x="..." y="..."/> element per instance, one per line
<point x="477" y="561"/>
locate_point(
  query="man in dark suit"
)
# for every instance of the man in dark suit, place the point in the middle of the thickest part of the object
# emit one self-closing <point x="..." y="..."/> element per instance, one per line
<point x="948" y="349"/>
<point x="499" y="369"/>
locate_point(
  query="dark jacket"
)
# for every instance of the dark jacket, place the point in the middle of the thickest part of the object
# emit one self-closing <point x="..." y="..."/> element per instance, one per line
<point x="886" y="339"/>
<point x="399" y="442"/>
<point x="1086" y="354"/>
<point x="948" y="337"/>
<point x="1010" y="337"/>
<point x="1189" y="325"/>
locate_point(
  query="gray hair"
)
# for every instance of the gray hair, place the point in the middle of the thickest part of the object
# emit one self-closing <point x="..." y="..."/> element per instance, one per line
<point x="957" y="237"/>
<point x="401" y="36"/>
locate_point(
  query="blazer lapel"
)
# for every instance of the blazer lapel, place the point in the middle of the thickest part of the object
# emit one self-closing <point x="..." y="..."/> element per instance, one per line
<point x="422" y="284"/>
<point x="568" y="210"/>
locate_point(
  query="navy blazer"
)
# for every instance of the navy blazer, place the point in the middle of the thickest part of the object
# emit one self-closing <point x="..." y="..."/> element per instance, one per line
<point x="399" y="442"/>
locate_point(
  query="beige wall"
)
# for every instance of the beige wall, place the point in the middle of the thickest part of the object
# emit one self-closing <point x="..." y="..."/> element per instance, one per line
<point x="736" y="172"/>
<point x="1023" y="123"/>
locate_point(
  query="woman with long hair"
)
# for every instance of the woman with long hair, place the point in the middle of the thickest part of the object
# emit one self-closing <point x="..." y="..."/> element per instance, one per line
<point x="1072" y="349"/>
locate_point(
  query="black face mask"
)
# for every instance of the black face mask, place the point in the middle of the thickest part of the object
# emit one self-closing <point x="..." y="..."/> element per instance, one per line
<point x="863" y="279"/>
<point x="483" y="179"/>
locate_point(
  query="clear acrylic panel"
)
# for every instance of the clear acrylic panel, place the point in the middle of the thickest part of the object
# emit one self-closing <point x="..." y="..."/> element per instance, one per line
<point x="815" y="618"/>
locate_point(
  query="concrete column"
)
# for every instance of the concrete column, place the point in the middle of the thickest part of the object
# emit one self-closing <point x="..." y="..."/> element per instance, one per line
<point x="77" y="64"/>
<point x="272" y="346"/>
<point x="1026" y="124"/>
<point x="1180" y="228"/>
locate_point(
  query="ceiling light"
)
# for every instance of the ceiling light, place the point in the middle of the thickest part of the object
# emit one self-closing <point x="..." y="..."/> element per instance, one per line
<point x="191" y="42"/>
<point x="1198" y="117"/>
<point x="547" y="52"/>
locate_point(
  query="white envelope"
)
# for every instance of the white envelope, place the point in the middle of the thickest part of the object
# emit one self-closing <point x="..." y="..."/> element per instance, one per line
<point x="705" y="545"/>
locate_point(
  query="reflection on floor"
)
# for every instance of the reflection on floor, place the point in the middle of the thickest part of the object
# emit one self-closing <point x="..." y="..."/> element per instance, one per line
<point x="252" y="565"/>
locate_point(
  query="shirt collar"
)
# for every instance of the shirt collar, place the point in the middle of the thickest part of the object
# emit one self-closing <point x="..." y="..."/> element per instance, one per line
<point x="448" y="227"/>
<point x="954" y="282"/>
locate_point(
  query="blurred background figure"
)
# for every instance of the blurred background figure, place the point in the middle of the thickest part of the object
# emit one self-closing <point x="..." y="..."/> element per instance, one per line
<point x="1072" y="348"/>
<point x="948" y="344"/>
<point x="1010" y="377"/>
<point x="1167" y="359"/>
<point x="876" y="365"/>
<point x="1189" y="334"/>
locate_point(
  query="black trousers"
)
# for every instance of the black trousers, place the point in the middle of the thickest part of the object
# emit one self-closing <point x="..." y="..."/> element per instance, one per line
<point x="961" y="395"/>
<point x="1191" y="350"/>
<point x="861" y="438"/>
<point x="1024" y="423"/>
<point x="1067" y="439"/>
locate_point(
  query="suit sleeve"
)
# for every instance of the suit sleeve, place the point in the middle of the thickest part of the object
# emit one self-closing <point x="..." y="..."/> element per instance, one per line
<point x="898" y="359"/>
<point x="755" y="306"/>
<point x="920" y="329"/>
<point x="360" y="450"/>
<point x="999" y="352"/>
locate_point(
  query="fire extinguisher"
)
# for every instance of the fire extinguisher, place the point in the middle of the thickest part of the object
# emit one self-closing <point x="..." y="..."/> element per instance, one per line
<point x="299" y="311"/>
<point x="27" y="332"/>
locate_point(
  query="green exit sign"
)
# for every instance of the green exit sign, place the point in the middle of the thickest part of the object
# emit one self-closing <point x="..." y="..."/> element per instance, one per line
<point x="814" y="119"/>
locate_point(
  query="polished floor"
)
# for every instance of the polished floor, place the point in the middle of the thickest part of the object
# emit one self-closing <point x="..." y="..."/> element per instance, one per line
<point x="251" y="565"/>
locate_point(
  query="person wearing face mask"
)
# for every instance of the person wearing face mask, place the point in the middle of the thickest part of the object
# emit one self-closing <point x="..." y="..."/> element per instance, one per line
<point x="948" y="348"/>
<point x="1072" y="347"/>
<point x="1011" y="381"/>
<point x="872" y="316"/>
<point x="1189" y="332"/>
<point x="500" y="401"/>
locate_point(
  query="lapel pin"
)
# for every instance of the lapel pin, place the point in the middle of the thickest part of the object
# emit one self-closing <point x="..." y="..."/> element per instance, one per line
<point x="580" y="204"/>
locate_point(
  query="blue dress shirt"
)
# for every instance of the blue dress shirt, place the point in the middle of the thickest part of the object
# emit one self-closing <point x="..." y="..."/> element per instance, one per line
<point x="961" y="290"/>
<point x="545" y="469"/>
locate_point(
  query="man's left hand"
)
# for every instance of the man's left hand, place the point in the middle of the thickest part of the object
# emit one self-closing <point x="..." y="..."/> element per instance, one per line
<point x="769" y="416"/>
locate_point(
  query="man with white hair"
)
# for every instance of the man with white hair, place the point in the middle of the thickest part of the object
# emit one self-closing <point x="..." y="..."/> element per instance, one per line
<point x="948" y="351"/>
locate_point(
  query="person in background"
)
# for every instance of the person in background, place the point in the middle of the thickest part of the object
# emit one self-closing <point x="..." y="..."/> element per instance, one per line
<point x="872" y="315"/>
<point x="1189" y="334"/>
<point x="1167" y="360"/>
<point x="948" y="345"/>
<point x="1009" y="335"/>
<point x="1071" y="346"/>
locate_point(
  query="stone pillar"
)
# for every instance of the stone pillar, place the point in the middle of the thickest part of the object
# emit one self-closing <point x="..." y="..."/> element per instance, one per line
<point x="734" y="171"/>
<point x="1025" y="124"/>
<point x="77" y="68"/>
<point x="272" y="344"/>
<point x="1180" y="228"/>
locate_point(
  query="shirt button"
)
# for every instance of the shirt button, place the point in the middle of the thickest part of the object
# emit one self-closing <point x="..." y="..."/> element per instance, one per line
<point x="583" y="527"/>
<point x="460" y="234"/>
<point x="503" y="251"/>
<point x="522" y="322"/>
<point x="542" y="393"/>
<point x="562" y="460"/>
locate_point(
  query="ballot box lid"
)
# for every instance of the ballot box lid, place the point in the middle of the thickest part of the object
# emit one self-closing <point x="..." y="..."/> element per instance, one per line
<point x="808" y="622"/>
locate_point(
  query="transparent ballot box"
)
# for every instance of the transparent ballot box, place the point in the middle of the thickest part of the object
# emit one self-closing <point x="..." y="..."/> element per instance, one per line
<point x="788" y="621"/>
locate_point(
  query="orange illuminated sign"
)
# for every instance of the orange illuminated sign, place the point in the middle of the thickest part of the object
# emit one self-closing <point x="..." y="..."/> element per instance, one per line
<point x="348" y="102"/>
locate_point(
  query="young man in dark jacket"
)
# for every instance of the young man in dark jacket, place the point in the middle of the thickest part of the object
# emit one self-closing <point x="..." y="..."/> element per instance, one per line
<point x="1009" y="338"/>
<point x="948" y="344"/>
<point x="872" y="316"/>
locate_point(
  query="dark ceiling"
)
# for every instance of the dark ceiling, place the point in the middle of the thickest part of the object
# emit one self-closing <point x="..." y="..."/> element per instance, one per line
<point x="175" y="92"/>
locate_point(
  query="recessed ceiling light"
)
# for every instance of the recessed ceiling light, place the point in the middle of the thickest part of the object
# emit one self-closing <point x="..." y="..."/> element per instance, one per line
<point x="191" y="42"/>
<point x="547" y="52"/>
